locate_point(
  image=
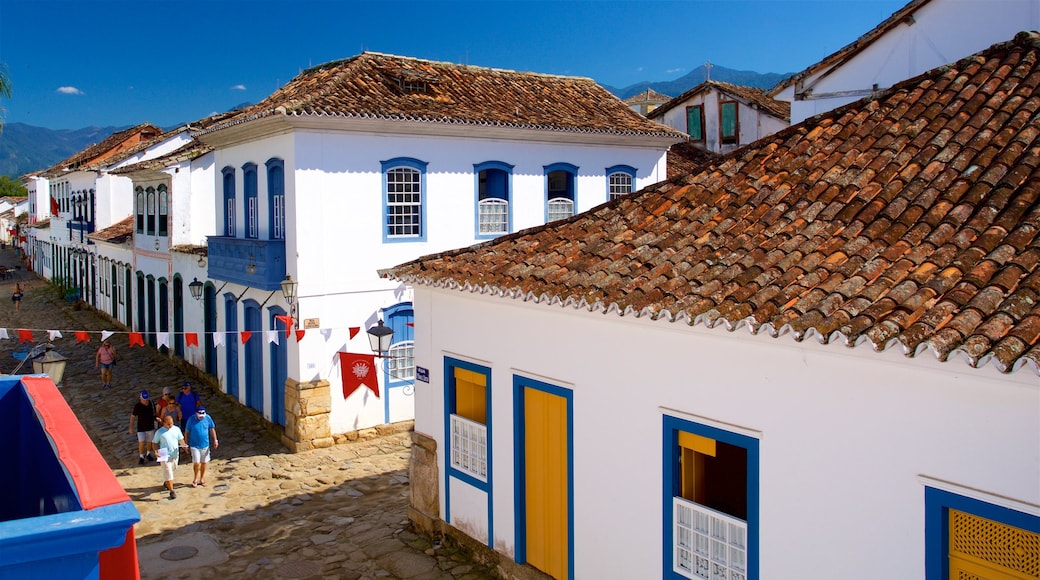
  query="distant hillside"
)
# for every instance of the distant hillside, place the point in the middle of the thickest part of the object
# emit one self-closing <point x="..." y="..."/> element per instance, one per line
<point x="25" y="148"/>
<point x="698" y="76"/>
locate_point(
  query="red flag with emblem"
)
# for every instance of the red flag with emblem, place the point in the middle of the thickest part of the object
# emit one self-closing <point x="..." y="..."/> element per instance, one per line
<point x="358" y="369"/>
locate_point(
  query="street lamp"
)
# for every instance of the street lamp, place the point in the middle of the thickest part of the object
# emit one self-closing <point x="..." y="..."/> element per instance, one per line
<point x="289" y="292"/>
<point x="196" y="289"/>
<point x="379" y="336"/>
<point x="51" y="364"/>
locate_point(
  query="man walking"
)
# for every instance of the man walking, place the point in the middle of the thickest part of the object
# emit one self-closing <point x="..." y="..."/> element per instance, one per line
<point x="144" y="412"/>
<point x="170" y="440"/>
<point x="199" y="435"/>
<point x="189" y="402"/>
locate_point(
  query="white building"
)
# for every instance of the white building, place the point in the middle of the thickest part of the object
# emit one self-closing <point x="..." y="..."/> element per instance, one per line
<point x="588" y="414"/>
<point x="922" y="35"/>
<point x="360" y="164"/>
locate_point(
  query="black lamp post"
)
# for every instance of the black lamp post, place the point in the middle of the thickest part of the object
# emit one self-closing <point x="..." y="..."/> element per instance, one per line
<point x="380" y="337"/>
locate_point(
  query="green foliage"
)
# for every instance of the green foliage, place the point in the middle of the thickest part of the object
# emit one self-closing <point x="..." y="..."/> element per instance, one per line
<point x="11" y="187"/>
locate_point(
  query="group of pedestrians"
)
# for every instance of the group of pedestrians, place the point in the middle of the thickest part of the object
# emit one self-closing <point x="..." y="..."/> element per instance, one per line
<point x="183" y="424"/>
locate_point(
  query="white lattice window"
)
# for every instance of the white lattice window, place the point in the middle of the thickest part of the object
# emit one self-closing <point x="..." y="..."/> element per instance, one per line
<point x="469" y="447"/>
<point x="401" y="361"/>
<point x="560" y="208"/>
<point x="709" y="545"/>
<point x="404" y="202"/>
<point x="620" y="184"/>
<point x="494" y="216"/>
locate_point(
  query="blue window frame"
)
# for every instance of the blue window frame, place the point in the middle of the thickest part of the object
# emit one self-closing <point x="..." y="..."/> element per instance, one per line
<point x="400" y="364"/>
<point x="494" y="182"/>
<point x="249" y="184"/>
<point x="560" y="194"/>
<point x="620" y="181"/>
<point x="722" y="491"/>
<point x="276" y="198"/>
<point x="467" y="394"/>
<point x="149" y="194"/>
<point x="164" y="210"/>
<point x="229" y="201"/>
<point x="404" y="200"/>
<point x="986" y="523"/>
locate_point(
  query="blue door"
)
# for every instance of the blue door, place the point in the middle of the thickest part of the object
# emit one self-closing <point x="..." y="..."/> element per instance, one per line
<point x="279" y="365"/>
<point x="231" y="316"/>
<point x="210" y="326"/>
<point x="254" y="357"/>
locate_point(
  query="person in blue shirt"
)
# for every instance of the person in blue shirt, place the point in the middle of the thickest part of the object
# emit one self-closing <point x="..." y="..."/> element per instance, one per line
<point x="200" y="432"/>
<point x="189" y="401"/>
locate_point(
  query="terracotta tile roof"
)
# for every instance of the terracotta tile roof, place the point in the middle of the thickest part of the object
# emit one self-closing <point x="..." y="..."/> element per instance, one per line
<point x="748" y="95"/>
<point x="380" y="86"/>
<point x="114" y="144"/>
<point x="686" y="157"/>
<point x="845" y="53"/>
<point x="116" y="233"/>
<point x="649" y="95"/>
<point x="191" y="150"/>
<point x="909" y="218"/>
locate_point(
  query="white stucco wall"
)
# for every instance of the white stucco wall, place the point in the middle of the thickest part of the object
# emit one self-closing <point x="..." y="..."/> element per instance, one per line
<point x="942" y="32"/>
<point x="844" y="434"/>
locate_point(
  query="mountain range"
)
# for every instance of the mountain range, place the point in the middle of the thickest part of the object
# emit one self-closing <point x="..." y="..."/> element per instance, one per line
<point x="27" y="148"/>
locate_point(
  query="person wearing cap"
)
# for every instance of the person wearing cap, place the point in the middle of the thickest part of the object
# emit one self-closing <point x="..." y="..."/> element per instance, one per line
<point x="201" y="435"/>
<point x="189" y="401"/>
<point x="144" y="412"/>
<point x="170" y="440"/>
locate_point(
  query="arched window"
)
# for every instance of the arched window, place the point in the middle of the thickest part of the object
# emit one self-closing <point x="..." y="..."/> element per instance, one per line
<point x="252" y="207"/>
<point x="229" y="201"/>
<point x="164" y="211"/>
<point x="619" y="181"/>
<point x="150" y="210"/>
<point x="560" y="181"/>
<point x="404" y="181"/>
<point x="139" y="203"/>
<point x="276" y="198"/>
<point x="493" y="185"/>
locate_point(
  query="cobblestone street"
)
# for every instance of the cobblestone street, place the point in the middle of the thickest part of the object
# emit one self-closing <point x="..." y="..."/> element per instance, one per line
<point x="338" y="512"/>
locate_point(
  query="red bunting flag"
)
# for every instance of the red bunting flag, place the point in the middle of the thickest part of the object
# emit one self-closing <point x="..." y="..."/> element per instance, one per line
<point x="191" y="338"/>
<point x="299" y="335"/>
<point x="287" y="320"/>
<point x="82" y="336"/>
<point x="24" y="335"/>
<point x="136" y="338"/>
<point x="357" y="370"/>
<point x="354" y="330"/>
<point x="246" y="335"/>
<point x="410" y="324"/>
<point x="55" y="210"/>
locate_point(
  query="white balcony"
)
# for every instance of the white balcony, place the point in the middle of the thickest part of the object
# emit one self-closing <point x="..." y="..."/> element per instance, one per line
<point x="469" y="447"/>
<point x="709" y="545"/>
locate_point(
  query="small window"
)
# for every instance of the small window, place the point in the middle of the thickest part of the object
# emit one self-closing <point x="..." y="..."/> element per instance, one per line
<point x="164" y="211"/>
<point x="401" y="361"/>
<point x="468" y="420"/>
<point x="229" y="202"/>
<point x="560" y="194"/>
<point x="276" y="197"/>
<point x="619" y="181"/>
<point x="139" y="203"/>
<point x="695" y="122"/>
<point x="249" y="182"/>
<point x="729" y="123"/>
<point x="493" y="184"/>
<point x="150" y="210"/>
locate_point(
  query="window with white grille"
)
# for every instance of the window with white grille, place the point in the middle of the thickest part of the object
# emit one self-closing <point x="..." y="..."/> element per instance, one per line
<point x="709" y="545"/>
<point x="620" y="184"/>
<point x="401" y="361"/>
<point x="560" y="208"/>
<point x="494" y="216"/>
<point x="469" y="447"/>
<point x="403" y="202"/>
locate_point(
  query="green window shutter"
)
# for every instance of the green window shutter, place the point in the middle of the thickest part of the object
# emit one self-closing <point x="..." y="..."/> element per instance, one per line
<point x="729" y="120"/>
<point x="694" y="126"/>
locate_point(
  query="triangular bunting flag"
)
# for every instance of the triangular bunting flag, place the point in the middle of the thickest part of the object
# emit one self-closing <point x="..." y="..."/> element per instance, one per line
<point x="3" y="333"/>
<point x="287" y="320"/>
<point x="191" y="338"/>
<point x="162" y="339"/>
<point x="82" y="336"/>
<point x="136" y="338"/>
<point x="326" y="332"/>
<point x="357" y="370"/>
<point x="299" y="335"/>
<point x="24" y="335"/>
<point x="52" y="334"/>
<point x="246" y="335"/>
<point x="354" y="330"/>
<point x="410" y="324"/>
<point x="105" y="334"/>
<point x="218" y="338"/>
<point x="271" y="336"/>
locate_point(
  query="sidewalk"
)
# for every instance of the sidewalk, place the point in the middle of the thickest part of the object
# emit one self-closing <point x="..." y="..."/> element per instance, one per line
<point x="266" y="513"/>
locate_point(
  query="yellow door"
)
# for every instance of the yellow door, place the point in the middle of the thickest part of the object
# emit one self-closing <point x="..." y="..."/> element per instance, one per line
<point x="982" y="549"/>
<point x="547" y="481"/>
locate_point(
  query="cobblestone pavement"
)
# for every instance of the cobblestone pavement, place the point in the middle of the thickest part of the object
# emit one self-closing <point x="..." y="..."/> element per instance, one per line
<point x="266" y="513"/>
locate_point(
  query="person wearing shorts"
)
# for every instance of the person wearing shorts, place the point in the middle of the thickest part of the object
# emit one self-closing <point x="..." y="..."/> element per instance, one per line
<point x="200" y="433"/>
<point x="144" y="416"/>
<point x="169" y="440"/>
<point x="106" y="359"/>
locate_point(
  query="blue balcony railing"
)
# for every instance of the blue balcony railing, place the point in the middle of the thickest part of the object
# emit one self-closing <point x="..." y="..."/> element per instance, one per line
<point x="254" y="263"/>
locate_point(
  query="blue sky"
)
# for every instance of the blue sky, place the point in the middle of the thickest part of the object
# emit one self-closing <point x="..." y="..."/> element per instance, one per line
<point x="93" y="62"/>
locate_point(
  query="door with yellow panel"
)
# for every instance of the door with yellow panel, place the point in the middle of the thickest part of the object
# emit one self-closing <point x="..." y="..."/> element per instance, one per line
<point x="981" y="549"/>
<point x="545" y="478"/>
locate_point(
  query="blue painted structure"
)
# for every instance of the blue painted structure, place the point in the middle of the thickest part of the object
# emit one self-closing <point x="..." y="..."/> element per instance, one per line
<point x="53" y="471"/>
